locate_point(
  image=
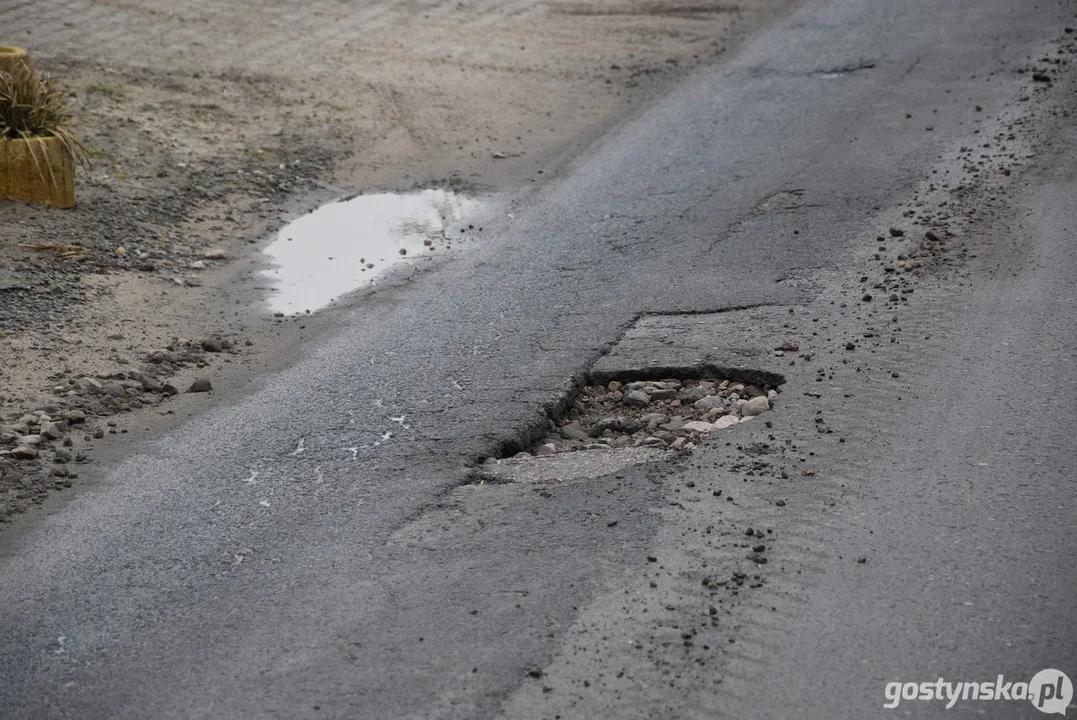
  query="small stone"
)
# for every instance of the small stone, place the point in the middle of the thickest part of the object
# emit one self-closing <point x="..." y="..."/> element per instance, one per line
<point x="61" y="457"/>
<point x="215" y="254"/>
<point x="896" y="232"/>
<point x="608" y="423"/>
<point x="663" y="394"/>
<point x="788" y="346"/>
<point x="780" y="503"/>
<point x="692" y="394"/>
<point x="200" y="385"/>
<point x="678" y="444"/>
<point x="698" y="426"/>
<point x="89" y="385"/>
<point x="725" y="421"/>
<point x="99" y="433"/>
<point x="197" y="265"/>
<point x="547" y="449"/>
<point x="709" y="402"/>
<point x="212" y="345"/>
<point x="757" y="558"/>
<point x="24" y="452"/>
<point x="115" y="389"/>
<point x="31" y="440"/>
<point x="573" y="431"/>
<point x="752" y="391"/>
<point x="52" y="430"/>
<point x="614" y="386"/>
<point x="637" y="398"/>
<point x="755" y="406"/>
<point x="850" y="346"/>
<point x="867" y="297"/>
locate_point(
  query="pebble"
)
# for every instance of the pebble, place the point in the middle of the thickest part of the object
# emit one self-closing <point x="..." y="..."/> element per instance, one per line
<point x="663" y="394"/>
<point x="698" y="426"/>
<point x="89" y="385"/>
<point x="709" y="402"/>
<point x="51" y="430"/>
<point x="692" y="394"/>
<point x="114" y="389"/>
<point x="726" y="421"/>
<point x="74" y="417"/>
<point x="756" y="406"/>
<point x="609" y="423"/>
<point x="215" y="254"/>
<point x="24" y="452"/>
<point x="573" y="431"/>
<point x="547" y="449"/>
<point x="637" y="398"/>
<point x="200" y="385"/>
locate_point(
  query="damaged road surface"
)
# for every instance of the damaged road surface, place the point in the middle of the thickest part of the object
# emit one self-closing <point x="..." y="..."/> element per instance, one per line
<point x="886" y="249"/>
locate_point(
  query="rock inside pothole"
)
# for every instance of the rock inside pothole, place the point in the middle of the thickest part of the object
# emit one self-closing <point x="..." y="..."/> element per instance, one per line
<point x="674" y="414"/>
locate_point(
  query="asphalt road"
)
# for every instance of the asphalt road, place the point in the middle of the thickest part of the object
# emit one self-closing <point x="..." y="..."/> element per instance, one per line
<point x="267" y="559"/>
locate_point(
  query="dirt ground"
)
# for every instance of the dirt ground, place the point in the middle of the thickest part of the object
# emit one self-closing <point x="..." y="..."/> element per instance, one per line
<point x="212" y="123"/>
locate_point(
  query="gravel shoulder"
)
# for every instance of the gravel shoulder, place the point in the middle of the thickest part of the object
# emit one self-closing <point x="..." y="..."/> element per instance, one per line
<point x="212" y="124"/>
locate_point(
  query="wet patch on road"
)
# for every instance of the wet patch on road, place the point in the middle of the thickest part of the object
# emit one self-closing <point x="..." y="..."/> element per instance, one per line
<point x="348" y="244"/>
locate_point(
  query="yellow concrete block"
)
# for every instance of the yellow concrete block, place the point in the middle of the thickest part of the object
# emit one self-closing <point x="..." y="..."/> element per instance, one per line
<point x="12" y="57"/>
<point x="38" y="170"/>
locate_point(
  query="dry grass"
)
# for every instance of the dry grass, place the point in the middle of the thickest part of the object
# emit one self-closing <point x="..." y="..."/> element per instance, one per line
<point x="33" y="106"/>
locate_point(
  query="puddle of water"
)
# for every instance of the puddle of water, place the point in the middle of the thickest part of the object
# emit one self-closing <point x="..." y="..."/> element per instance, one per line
<point x="348" y="244"/>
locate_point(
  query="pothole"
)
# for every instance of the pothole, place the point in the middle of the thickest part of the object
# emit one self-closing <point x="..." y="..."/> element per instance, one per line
<point x="668" y="413"/>
<point x="348" y="244"/>
<point x="629" y="420"/>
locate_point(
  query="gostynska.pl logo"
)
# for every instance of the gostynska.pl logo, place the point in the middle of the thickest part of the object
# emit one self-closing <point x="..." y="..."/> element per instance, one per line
<point x="1050" y="691"/>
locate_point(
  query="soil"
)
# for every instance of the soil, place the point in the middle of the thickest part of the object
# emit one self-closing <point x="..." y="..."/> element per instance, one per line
<point x="211" y="124"/>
